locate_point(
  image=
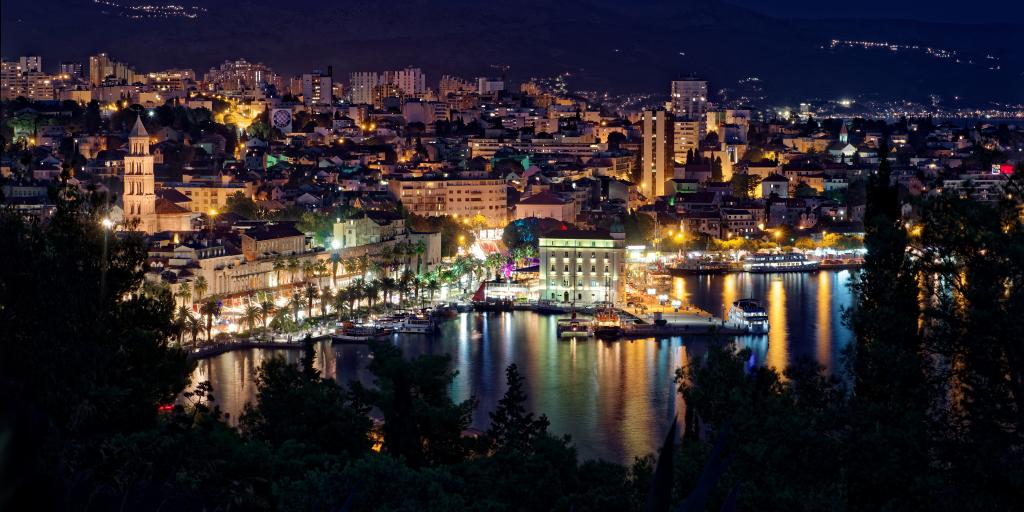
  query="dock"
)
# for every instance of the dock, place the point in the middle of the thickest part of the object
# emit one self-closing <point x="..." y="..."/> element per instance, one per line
<point x="221" y="348"/>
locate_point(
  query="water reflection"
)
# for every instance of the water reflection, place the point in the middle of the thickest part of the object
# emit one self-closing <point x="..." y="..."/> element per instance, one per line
<point x="616" y="399"/>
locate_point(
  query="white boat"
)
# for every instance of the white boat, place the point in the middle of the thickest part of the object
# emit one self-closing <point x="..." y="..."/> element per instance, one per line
<point x="573" y="328"/>
<point x="749" y="313"/>
<point x="416" y="324"/>
<point x="779" y="262"/>
<point x="360" y="334"/>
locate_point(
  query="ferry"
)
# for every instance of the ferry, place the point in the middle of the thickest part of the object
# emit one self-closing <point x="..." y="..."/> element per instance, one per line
<point x="360" y="334"/>
<point x="551" y="307"/>
<point x="416" y="324"/>
<point x="573" y="328"/>
<point x="749" y="313"/>
<point x="779" y="262"/>
<point x="700" y="267"/>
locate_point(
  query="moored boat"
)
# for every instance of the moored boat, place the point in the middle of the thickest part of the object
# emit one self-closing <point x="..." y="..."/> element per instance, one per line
<point x="360" y="334"/>
<point x="749" y="314"/>
<point x="779" y="262"/>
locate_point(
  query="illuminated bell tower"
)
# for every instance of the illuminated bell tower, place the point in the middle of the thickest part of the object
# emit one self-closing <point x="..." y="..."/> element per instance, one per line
<point x="139" y="195"/>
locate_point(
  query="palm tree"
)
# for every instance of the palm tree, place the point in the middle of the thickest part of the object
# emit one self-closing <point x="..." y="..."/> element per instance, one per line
<point x="182" y="323"/>
<point x="193" y="324"/>
<point x="252" y="311"/>
<point x="199" y="287"/>
<point x="326" y="298"/>
<point x="388" y="285"/>
<point x="432" y="286"/>
<point x="419" y="250"/>
<point x="296" y="304"/>
<point x="371" y="290"/>
<point x="293" y="268"/>
<point x="210" y="309"/>
<point x="320" y="270"/>
<point x="279" y="265"/>
<point x="184" y="293"/>
<point x="266" y="309"/>
<point x="309" y="298"/>
<point x="308" y="270"/>
<point x="406" y="282"/>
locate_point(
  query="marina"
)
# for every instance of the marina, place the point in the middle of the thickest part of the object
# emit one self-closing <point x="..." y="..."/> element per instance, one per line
<point x="608" y="395"/>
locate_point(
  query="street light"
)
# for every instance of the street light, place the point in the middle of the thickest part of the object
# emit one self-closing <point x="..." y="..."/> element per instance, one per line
<point x="107" y="226"/>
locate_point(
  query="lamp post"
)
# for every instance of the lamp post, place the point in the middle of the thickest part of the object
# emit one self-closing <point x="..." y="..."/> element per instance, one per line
<point x="212" y="214"/>
<point x="335" y="258"/>
<point x="107" y="226"/>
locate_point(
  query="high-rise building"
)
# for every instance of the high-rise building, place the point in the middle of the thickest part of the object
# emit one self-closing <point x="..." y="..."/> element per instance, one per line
<point x="71" y="69"/>
<point x="31" y="64"/>
<point x="689" y="101"/>
<point x="657" y="155"/>
<point x="489" y="85"/>
<point x="686" y="137"/>
<point x="454" y="85"/>
<point x="317" y="87"/>
<point x="361" y="86"/>
<point x="411" y="81"/>
<point x="102" y="67"/>
<point x="241" y="75"/>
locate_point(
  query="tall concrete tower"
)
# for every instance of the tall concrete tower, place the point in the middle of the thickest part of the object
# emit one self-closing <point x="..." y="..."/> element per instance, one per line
<point x="657" y="153"/>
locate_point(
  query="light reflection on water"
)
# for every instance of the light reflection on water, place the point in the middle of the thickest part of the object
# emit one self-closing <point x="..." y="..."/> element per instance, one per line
<point x="616" y="399"/>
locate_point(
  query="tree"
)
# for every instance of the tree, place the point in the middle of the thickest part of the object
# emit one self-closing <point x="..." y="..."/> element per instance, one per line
<point x="199" y="287"/>
<point x="239" y="204"/>
<point x="93" y="366"/>
<point x="745" y="185"/>
<point x="210" y="308"/>
<point x="294" y="402"/>
<point x="512" y="427"/>
<point x="421" y="422"/>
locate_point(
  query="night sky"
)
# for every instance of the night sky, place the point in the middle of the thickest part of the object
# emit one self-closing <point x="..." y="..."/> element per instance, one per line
<point x="608" y="45"/>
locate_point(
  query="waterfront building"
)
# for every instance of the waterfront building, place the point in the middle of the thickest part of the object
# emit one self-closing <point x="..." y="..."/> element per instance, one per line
<point x="585" y="267"/>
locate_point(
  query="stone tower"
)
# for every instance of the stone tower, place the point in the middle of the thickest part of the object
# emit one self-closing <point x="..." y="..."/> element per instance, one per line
<point x="139" y="197"/>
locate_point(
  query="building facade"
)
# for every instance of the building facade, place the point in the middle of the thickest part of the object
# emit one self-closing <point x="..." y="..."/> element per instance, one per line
<point x="657" y="154"/>
<point x="582" y="267"/>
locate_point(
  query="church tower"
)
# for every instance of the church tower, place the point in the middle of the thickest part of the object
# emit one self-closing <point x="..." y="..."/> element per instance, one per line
<point x="844" y="135"/>
<point x="139" y="195"/>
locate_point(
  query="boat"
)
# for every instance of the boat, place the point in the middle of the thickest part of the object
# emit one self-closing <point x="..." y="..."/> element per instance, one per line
<point x="417" y="324"/>
<point x="360" y="334"/>
<point x="749" y="314"/>
<point x="779" y="262"/>
<point x="551" y="307"/>
<point x="607" y="324"/>
<point x="573" y="328"/>
<point x="483" y="303"/>
<point x="691" y="267"/>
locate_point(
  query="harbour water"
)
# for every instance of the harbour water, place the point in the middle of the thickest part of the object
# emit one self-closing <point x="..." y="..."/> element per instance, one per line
<point x="616" y="399"/>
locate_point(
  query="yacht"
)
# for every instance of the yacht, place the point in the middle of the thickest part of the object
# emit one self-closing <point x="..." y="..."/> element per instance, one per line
<point x="573" y="328"/>
<point x="416" y="324"/>
<point x="779" y="262"/>
<point x="360" y="334"/>
<point x="749" y="313"/>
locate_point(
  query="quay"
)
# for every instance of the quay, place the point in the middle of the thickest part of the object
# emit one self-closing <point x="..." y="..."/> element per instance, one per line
<point x="221" y="348"/>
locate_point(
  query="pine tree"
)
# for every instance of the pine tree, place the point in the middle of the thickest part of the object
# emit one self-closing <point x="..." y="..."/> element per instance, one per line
<point x="512" y="427"/>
